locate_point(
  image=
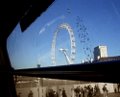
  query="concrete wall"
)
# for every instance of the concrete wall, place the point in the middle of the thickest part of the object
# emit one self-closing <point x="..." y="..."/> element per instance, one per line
<point x="41" y="91"/>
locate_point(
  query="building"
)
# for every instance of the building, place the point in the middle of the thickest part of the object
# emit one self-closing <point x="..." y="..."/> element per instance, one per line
<point x="100" y="52"/>
<point x="108" y="59"/>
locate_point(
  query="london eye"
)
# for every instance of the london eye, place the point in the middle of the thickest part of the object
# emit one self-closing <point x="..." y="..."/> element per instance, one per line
<point x="70" y="59"/>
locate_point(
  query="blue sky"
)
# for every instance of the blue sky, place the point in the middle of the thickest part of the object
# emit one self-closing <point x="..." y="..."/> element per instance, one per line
<point x="101" y="19"/>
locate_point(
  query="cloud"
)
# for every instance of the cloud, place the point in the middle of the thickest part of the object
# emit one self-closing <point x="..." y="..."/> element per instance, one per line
<point x="54" y="20"/>
<point x="42" y="30"/>
<point x="115" y="10"/>
<point x="50" y="23"/>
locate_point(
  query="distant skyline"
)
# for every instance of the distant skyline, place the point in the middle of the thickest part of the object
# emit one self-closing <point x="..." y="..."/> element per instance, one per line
<point x="93" y="22"/>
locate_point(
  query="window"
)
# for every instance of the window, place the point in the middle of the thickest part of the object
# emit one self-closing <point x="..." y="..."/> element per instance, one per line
<point x="67" y="33"/>
<point x="70" y="32"/>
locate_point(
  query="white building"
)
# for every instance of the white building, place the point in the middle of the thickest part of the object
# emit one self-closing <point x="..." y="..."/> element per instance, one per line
<point x="100" y="52"/>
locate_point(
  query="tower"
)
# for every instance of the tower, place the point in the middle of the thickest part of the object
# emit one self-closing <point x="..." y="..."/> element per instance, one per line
<point x="100" y="52"/>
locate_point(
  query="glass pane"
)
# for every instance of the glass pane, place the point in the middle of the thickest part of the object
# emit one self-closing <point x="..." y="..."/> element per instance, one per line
<point x="69" y="32"/>
<point x="44" y="87"/>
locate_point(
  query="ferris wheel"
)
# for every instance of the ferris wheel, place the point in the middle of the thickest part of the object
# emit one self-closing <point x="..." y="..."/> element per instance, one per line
<point x="67" y="27"/>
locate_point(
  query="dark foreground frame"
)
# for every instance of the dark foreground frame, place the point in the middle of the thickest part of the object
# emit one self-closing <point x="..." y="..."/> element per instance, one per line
<point x="11" y="13"/>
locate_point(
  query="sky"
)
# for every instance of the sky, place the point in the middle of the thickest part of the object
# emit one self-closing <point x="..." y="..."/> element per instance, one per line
<point x="94" y="22"/>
